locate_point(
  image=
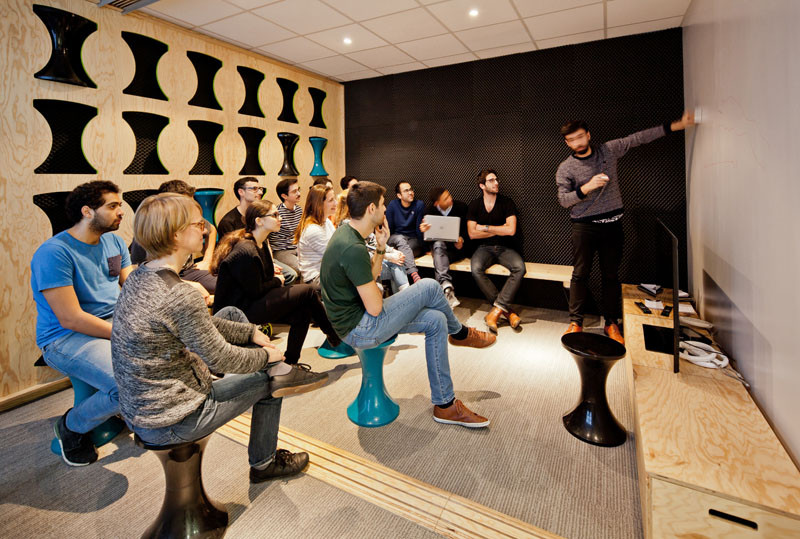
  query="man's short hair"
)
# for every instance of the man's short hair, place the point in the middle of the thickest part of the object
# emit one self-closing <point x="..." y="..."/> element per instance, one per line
<point x="483" y="174"/>
<point x="158" y="219"/>
<point x="87" y="194"/>
<point x="322" y="180"/>
<point x="177" y="186"/>
<point x="240" y="185"/>
<point x="435" y="193"/>
<point x="283" y="187"/>
<point x="397" y="186"/>
<point x="361" y="195"/>
<point x="345" y="181"/>
<point x="572" y="126"/>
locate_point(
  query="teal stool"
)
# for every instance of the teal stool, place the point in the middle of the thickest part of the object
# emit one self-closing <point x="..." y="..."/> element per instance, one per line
<point x="335" y="352"/>
<point x="208" y="200"/>
<point x="103" y="433"/>
<point x="373" y="407"/>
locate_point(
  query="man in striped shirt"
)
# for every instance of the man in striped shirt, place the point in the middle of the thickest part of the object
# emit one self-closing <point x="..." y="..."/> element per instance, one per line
<point x="283" y="249"/>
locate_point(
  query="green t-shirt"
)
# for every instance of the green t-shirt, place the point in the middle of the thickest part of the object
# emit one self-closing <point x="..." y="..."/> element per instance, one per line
<point x="345" y="265"/>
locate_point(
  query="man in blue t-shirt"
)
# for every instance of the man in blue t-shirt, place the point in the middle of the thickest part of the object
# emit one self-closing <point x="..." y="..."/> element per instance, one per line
<point x="404" y="215"/>
<point x="76" y="277"/>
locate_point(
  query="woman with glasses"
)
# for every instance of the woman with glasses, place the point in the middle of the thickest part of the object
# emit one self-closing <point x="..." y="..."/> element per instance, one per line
<point x="315" y="229"/>
<point x="246" y="279"/>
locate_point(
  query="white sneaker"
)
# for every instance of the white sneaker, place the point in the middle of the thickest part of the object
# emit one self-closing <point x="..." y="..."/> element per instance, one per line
<point x="450" y="294"/>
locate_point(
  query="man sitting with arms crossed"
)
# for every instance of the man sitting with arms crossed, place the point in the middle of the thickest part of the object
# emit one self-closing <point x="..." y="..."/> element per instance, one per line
<point x="363" y="319"/>
<point x="75" y="277"/>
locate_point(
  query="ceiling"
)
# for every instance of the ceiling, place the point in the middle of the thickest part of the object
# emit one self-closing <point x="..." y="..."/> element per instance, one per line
<point x="393" y="36"/>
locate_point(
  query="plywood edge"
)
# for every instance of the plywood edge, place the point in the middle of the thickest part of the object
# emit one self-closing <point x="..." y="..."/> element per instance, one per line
<point x="533" y="270"/>
<point x="33" y="393"/>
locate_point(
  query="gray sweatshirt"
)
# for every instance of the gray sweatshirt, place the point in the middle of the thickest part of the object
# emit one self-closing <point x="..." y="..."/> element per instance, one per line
<point x="575" y="171"/>
<point x="163" y="342"/>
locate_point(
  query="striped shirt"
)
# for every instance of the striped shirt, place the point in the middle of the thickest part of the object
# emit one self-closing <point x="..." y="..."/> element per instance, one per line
<point x="282" y="239"/>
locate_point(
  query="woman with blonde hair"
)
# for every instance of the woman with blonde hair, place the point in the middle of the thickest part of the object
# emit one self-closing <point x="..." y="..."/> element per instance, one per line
<point x="315" y="229"/>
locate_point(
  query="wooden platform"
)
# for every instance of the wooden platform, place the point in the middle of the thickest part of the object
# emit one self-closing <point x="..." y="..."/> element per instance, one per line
<point x="533" y="270"/>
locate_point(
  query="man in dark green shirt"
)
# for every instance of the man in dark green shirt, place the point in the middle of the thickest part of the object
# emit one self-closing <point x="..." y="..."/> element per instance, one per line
<point x="362" y="318"/>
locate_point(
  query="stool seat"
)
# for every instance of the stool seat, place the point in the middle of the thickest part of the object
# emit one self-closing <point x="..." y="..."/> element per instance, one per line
<point x="342" y="351"/>
<point x="373" y="407"/>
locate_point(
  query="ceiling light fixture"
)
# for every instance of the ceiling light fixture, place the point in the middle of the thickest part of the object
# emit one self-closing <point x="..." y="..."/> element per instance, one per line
<point x="347" y="41"/>
<point x="473" y="12"/>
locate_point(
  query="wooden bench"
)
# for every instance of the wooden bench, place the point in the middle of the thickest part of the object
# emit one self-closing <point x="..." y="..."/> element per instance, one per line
<point x="533" y="270"/>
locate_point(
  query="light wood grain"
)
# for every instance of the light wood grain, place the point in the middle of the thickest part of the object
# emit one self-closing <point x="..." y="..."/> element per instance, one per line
<point x="30" y="394"/>
<point x="533" y="270"/>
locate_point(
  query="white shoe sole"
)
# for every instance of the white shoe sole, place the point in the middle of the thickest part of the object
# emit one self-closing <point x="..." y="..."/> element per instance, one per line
<point x="468" y="425"/>
<point x="63" y="455"/>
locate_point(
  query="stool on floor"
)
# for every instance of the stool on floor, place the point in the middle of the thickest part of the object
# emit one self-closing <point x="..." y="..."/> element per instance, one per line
<point x="101" y="434"/>
<point x="373" y="406"/>
<point x="335" y="352"/>
<point x="592" y="420"/>
<point x="187" y="510"/>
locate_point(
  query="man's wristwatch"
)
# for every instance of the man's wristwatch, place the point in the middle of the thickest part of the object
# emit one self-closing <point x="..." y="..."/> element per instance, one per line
<point x="380" y="252"/>
<point x="486" y="228"/>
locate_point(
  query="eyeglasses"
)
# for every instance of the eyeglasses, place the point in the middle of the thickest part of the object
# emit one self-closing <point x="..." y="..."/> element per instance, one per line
<point x="200" y="225"/>
<point x="274" y="215"/>
<point x="254" y="188"/>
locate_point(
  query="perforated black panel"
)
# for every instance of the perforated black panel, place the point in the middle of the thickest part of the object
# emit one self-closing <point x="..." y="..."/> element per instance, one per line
<point x="252" y="79"/>
<point x="146" y="128"/>
<point x="252" y="137"/>
<point x="53" y="205"/>
<point x="134" y="198"/>
<point x="441" y="126"/>
<point x="206" y="68"/>
<point x="67" y="120"/>
<point x="288" y="89"/>
<point x="146" y="52"/>
<point x="206" y="134"/>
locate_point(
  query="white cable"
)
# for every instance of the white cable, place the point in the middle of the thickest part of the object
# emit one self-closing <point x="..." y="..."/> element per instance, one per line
<point x="703" y="355"/>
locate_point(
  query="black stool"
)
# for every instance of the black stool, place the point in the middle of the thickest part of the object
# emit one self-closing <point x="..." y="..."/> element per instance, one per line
<point x="187" y="510"/>
<point x="592" y="420"/>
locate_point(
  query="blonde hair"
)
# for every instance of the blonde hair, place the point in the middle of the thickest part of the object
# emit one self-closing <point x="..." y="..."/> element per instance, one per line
<point x="158" y="219"/>
<point x="342" y="211"/>
<point x="314" y="212"/>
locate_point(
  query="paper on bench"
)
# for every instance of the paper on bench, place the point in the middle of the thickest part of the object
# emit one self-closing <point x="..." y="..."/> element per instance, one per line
<point x="653" y="304"/>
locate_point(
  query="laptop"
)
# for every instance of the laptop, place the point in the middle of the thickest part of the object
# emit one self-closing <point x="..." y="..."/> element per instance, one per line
<point x="443" y="228"/>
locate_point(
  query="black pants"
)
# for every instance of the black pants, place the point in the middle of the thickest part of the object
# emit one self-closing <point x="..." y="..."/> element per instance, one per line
<point x="607" y="240"/>
<point x="296" y="305"/>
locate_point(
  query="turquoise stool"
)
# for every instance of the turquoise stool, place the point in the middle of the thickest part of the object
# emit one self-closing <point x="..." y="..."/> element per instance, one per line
<point x="103" y="433"/>
<point x="318" y="144"/>
<point x="208" y="200"/>
<point x="335" y="352"/>
<point x="373" y="407"/>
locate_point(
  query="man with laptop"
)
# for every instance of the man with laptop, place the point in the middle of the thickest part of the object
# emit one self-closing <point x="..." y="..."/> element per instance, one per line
<point x="445" y="228"/>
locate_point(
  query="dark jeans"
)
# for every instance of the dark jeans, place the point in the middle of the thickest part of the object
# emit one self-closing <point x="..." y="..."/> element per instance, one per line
<point x="484" y="257"/>
<point x="296" y="305"/>
<point x="203" y="277"/>
<point x="607" y="240"/>
<point x="410" y="246"/>
<point x="444" y="253"/>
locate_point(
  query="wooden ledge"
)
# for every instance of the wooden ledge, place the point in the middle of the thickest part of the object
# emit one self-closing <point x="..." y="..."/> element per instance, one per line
<point x="533" y="270"/>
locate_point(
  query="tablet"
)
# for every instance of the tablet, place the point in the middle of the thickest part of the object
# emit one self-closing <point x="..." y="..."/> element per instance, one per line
<point x="442" y="228"/>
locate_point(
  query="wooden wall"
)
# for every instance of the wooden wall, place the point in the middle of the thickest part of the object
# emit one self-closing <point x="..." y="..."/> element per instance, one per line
<point x="109" y="143"/>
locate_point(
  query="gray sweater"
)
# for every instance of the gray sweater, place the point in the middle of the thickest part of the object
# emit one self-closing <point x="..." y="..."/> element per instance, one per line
<point x="574" y="171"/>
<point x="163" y="342"/>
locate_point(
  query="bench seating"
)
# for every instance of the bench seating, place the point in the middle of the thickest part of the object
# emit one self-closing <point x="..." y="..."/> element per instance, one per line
<point x="544" y="272"/>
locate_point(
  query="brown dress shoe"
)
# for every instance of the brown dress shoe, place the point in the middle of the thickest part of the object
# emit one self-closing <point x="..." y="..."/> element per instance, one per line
<point x="513" y="319"/>
<point x="573" y="328"/>
<point x="474" y="339"/>
<point x="492" y="317"/>
<point x="612" y="330"/>
<point x="458" y="414"/>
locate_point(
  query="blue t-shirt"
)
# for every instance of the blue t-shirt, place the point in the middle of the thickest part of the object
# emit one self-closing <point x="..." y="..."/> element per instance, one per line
<point x="92" y="270"/>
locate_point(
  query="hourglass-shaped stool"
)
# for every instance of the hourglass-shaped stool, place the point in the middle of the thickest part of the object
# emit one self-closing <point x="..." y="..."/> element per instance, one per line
<point x="373" y="406"/>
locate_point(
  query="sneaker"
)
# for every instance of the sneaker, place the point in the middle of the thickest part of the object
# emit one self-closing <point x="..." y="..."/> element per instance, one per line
<point x="300" y="380"/>
<point x="450" y="295"/>
<point x="458" y="414"/>
<point x="612" y="330"/>
<point x="285" y="463"/>
<point x="76" y="449"/>
<point x="475" y="339"/>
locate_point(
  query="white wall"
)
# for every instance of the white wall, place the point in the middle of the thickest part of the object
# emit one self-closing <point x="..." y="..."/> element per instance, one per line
<point x="742" y="67"/>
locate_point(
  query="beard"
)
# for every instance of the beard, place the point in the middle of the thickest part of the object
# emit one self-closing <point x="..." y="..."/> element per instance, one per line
<point x="101" y="227"/>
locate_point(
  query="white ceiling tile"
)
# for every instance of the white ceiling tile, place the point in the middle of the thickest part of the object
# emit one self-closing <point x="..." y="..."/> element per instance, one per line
<point x="570" y="40"/>
<point x="381" y="57"/>
<point x="428" y="2"/>
<point x="360" y="10"/>
<point x="167" y="18"/>
<point x="250" y="29"/>
<point x="366" y="74"/>
<point x="298" y="50"/>
<point x="503" y="51"/>
<point x="642" y="27"/>
<point x="405" y="26"/>
<point x="226" y="39"/>
<point x="303" y="16"/>
<point x="620" y="12"/>
<point x="455" y="13"/>
<point x="531" y="8"/>
<point x="193" y="12"/>
<point x="433" y="47"/>
<point x="273" y="56"/>
<point x="250" y="4"/>
<point x="563" y="23"/>
<point x="335" y="65"/>
<point x="333" y="39"/>
<point x="413" y="66"/>
<point x="498" y="35"/>
<point x="447" y="60"/>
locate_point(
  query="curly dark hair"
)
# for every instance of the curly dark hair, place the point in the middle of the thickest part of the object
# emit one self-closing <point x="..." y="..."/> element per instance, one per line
<point x="177" y="186"/>
<point x="87" y="194"/>
<point x="571" y="126"/>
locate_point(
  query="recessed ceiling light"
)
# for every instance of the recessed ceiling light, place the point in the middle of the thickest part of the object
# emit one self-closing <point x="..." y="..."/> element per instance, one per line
<point x="347" y="41"/>
<point x="473" y="12"/>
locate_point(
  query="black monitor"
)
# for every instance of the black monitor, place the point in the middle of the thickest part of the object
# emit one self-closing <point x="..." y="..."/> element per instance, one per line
<point x="659" y="339"/>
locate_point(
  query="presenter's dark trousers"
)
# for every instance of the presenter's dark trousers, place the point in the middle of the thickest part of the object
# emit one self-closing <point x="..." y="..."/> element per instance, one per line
<point x="605" y="239"/>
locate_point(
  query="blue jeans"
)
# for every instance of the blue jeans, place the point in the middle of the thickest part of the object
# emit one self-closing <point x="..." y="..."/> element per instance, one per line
<point x="88" y="359"/>
<point x="394" y="273"/>
<point x="411" y="248"/>
<point x="420" y="308"/>
<point x="483" y="258"/>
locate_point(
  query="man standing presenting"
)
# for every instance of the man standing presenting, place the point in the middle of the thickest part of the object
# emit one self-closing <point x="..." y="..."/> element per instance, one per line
<point x="363" y="319"/>
<point x="283" y="250"/>
<point x="492" y="226"/>
<point x="404" y="215"/>
<point x="588" y="187"/>
<point x="75" y="277"/>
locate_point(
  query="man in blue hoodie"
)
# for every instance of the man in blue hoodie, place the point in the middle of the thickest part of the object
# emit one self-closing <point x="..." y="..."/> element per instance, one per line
<point x="404" y="215"/>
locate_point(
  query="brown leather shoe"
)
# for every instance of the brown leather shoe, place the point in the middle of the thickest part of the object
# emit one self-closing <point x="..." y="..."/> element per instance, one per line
<point x="612" y="330"/>
<point x="513" y="319"/>
<point x="475" y="339"/>
<point x="573" y="328"/>
<point x="458" y="414"/>
<point x="492" y="317"/>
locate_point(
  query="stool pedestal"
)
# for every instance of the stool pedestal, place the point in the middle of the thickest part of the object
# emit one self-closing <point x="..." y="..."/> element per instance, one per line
<point x="592" y="420"/>
<point x="373" y="406"/>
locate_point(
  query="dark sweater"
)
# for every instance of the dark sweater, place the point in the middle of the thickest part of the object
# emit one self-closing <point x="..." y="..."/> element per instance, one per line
<point x="404" y="220"/>
<point x="245" y="277"/>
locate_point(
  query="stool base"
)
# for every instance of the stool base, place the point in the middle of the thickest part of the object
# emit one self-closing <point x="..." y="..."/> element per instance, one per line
<point x="373" y="407"/>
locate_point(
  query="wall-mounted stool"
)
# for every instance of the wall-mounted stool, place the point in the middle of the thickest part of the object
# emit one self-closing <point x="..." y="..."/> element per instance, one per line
<point x="208" y="200"/>
<point x="318" y="145"/>
<point x="592" y="420"/>
<point x="187" y="510"/>
<point x="373" y="406"/>
<point x="134" y="198"/>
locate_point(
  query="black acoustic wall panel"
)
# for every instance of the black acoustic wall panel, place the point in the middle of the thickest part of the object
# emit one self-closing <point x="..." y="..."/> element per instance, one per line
<point x="146" y="128"/>
<point x="134" y="198"/>
<point x="252" y="138"/>
<point x="252" y="79"/>
<point x="317" y="97"/>
<point x="441" y="126"/>
<point x="206" y="68"/>
<point x="146" y="53"/>
<point x="67" y="32"/>
<point x="53" y="205"/>
<point x="206" y="134"/>
<point x="67" y="120"/>
<point x="288" y="141"/>
<point x="288" y="89"/>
